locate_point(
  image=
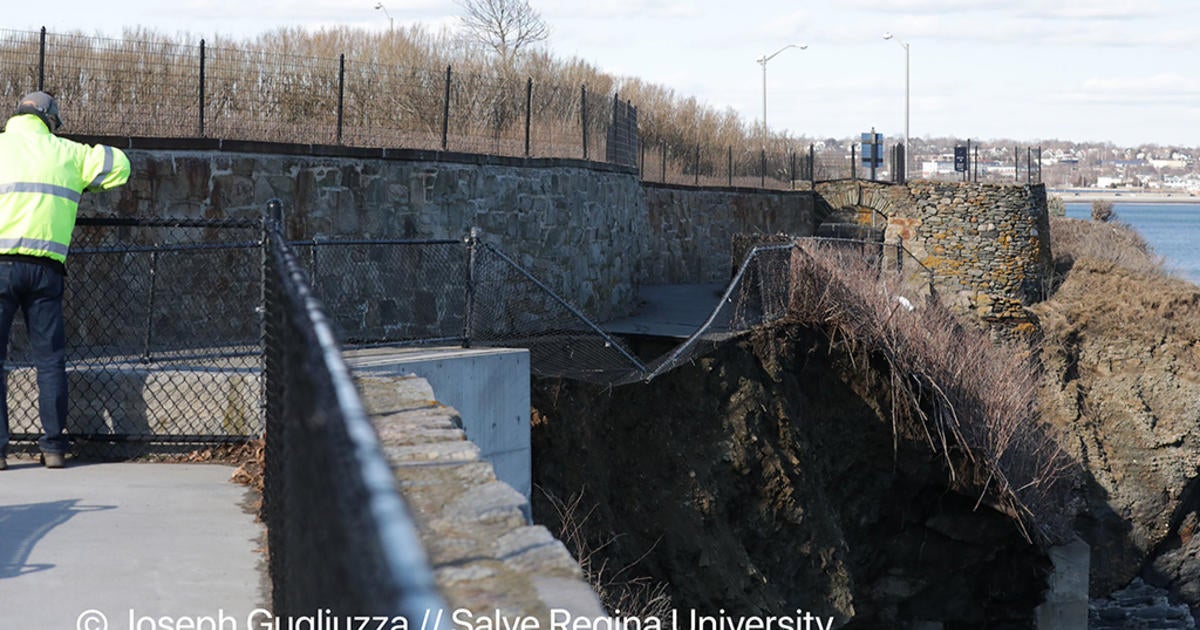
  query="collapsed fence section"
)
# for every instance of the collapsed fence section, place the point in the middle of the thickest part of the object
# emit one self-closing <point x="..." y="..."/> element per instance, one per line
<point x="163" y="337"/>
<point x="341" y="539"/>
<point x="471" y="293"/>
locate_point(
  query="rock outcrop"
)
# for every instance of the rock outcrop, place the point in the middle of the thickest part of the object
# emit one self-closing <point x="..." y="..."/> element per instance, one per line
<point x="1121" y="353"/>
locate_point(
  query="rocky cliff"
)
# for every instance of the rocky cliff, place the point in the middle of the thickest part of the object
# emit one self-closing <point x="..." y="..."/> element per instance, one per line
<point x="1121" y="355"/>
<point x="769" y="478"/>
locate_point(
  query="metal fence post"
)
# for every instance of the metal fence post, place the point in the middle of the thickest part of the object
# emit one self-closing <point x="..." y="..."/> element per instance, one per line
<point x="792" y="174"/>
<point x="762" y="168"/>
<point x="202" y="88"/>
<point x="341" y="94"/>
<point x="664" y="164"/>
<point x="583" y="117"/>
<point x="528" y="111"/>
<point x="42" y="62"/>
<point x="147" y="339"/>
<point x="812" y="164"/>
<point x="272" y="220"/>
<point x="446" y="112"/>
<point x="472" y="242"/>
<point x="729" y="168"/>
<point x="697" y="166"/>
<point x="853" y="161"/>
<point x="312" y="258"/>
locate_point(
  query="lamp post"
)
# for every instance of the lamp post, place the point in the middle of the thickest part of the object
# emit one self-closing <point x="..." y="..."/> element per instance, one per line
<point x="379" y="7"/>
<point x="907" y="148"/>
<point x="763" y="62"/>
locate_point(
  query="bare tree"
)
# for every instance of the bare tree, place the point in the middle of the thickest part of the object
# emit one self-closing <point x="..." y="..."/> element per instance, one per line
<point x="505" y="26"/>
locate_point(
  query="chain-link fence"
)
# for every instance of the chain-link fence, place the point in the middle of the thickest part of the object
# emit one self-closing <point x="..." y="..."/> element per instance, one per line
<point x="163" y="341"/>
<point x="471" y="293"/>
<point x="776" y="165"/>
<point x="165" y="337"/>
<point x="341" y="540"/>
<point x="158" y="87"/>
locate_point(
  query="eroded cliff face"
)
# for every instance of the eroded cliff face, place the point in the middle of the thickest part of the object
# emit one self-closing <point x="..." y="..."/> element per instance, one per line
<point x="768" y="478"/>
<point x="1121" y="354"/>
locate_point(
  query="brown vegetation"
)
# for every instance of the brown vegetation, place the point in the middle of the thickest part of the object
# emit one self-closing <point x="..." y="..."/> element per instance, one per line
<point x="284" y="86"/>
<point x="974" y="401"/>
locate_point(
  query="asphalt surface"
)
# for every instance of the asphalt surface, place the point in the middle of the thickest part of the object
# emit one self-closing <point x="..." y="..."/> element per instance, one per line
<point x="125" y="546"/>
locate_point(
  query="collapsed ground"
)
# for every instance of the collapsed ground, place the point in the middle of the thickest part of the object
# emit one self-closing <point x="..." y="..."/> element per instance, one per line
<point x="770" y="476"/>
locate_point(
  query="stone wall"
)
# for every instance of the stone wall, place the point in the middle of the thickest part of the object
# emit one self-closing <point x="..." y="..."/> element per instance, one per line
<point x="591" y="231"/>
<point x="579" y="227"/>
<point x="987" y="245"/>
<point x="692" y="228"/>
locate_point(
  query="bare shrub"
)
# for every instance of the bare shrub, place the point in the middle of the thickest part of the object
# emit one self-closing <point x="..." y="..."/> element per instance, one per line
<point x="622" y="594"/>
<point x="1102" y="211"/>
<point x="971" y="400"/>
<point x="1113" y="242"/>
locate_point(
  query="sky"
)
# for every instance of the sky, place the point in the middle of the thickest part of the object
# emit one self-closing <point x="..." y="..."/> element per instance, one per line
<point x="1120" y="71"/>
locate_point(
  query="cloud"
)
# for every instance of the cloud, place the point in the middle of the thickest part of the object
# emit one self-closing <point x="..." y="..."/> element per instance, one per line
<point x="625" y="10"/>
<point x="1157" y="91"/>
<point x="939" y="7"/>
<point x="1093" y="10"/>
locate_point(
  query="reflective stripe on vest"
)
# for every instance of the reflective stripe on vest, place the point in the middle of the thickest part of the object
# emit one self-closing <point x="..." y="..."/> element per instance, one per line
<point x="43" y="189"/>
<point x="7" y="244"/>
<point x="104" y="172"/>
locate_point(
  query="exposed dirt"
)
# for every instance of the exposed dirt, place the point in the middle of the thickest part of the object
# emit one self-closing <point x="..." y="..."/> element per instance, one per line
<point x="768" y="477"/>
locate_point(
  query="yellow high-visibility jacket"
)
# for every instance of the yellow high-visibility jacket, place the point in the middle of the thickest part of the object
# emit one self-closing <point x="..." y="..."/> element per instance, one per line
<point x="42" y="178"/>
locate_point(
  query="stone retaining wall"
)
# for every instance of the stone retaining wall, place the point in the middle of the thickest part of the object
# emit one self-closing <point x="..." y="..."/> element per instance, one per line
<point x="579" y="227"/>
<point x="692" y="229"/>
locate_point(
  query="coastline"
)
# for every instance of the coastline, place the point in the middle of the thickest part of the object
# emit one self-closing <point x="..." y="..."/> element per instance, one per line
<point x="1079" y="195"/>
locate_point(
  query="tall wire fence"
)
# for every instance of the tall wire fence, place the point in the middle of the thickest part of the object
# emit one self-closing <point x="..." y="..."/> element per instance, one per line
<point x="777" y="164"/>
<point x="157" y="88"/>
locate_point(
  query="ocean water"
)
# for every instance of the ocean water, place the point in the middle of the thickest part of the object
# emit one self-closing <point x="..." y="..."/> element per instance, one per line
<point x="1172" y="229"/>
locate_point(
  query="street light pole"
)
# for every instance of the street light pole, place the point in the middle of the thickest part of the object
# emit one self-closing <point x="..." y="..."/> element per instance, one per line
<point x="391" y="25"/>
<point x="763" y="62"/>
<point x="907" y="147"/>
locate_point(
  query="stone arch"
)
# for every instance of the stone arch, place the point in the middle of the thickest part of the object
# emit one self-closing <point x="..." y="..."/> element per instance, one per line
<point x="856" y="208"/>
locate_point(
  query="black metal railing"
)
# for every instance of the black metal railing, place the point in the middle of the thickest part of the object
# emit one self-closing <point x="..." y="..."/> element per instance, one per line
<point x="340" y="537"/>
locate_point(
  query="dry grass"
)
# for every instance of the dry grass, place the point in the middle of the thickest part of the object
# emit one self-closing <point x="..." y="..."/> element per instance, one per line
<point x="283" y="85"/>
<point x="1110" y="242"/>
<point x="621" y="593"/>
<point x="971" y="400"/>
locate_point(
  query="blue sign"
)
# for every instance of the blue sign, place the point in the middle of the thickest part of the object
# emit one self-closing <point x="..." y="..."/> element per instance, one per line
<point x="960" y="159"/>
<point x="872" y="151"/>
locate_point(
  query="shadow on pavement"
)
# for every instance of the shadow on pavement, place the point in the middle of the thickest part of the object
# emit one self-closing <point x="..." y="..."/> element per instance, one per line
<point x="24" y="525"/>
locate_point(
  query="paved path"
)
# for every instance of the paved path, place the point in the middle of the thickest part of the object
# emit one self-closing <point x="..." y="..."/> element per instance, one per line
<point x="669" y="310"/>
<point x="147" y="540"/>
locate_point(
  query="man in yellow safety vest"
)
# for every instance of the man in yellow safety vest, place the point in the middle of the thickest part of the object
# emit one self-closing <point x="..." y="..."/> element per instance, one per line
<point x="42" y="178"/>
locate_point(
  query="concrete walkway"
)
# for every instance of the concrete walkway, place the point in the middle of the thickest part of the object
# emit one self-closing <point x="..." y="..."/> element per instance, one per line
<point x="669" y="310"/>
<point x="125" y="541"/>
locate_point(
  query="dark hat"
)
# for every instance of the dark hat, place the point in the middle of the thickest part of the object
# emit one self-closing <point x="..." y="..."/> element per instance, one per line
<point x="43" y="106"/>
